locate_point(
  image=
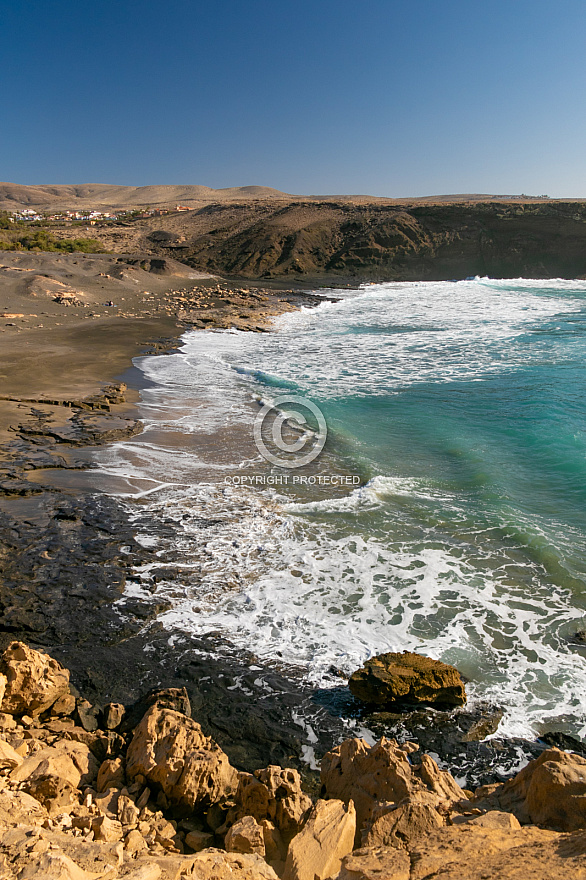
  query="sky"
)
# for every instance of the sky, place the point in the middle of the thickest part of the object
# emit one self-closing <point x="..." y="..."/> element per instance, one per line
<point x="383" y="97"/>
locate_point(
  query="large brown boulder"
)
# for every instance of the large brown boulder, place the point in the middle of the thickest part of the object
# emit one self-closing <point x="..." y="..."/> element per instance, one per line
<point x="34" y="681"/>
<point x="317" y="851"/>
<point x="53" y="774"/>
<point x="550" y="791"/>
<point x="406" y="823"/>
<point x="408" y="677"/>
<point x="172" y="753"/>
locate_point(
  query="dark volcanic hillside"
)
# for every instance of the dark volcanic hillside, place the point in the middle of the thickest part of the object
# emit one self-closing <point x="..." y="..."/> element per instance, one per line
<point x="368" y="241"/>
<point x="380" y="241"/>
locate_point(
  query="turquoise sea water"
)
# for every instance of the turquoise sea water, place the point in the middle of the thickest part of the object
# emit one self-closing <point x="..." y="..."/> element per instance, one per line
<point x="462" y="407"/>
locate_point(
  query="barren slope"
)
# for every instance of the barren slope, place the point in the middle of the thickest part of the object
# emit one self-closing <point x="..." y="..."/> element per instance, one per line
<point x="14" y="196"/>
<point x="333" y="240"/>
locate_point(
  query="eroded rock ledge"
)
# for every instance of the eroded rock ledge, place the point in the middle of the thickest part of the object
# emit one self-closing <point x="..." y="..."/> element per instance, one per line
<point x="88" y="794"/>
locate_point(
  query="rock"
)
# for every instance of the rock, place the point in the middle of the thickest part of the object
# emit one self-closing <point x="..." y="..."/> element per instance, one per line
<point x="113" y="715"/>
<point x="107" y="803"/>
<point x="403" y="824"/>
<point x="169" y="750"/>
<point x="215" y="864"/>
<point x="439" y="781"/>
<point x="471" y="852"/>
<point x="34" y="681"/>
<point x="327" y="836"/>
<point x="9" y="758"/>
<point x="111" y="774"/>
<point x="246" y="836"/>
<point x="274" y="794"/>
<point x="53" y="774"/>
<point x="88" y="715"/>
<point x="355" y="771"/>
<point x="145" y="872"/>
<point x="376" y="863"/>
<point x="408" y="677"/>
<point x="176" y="699"/>
<point x="275" y="849"/>
<point x="198" y="840"/>
<point x="134" y="842"/>
<point x="496" y="819"/>
<point x="166" y="835"/>
<point x="55" y="866"/>
<point x="106" y="829"/>
<point x="551" y="791"/>
<point x="102" y="745"/>
<point x="18" y="806"/>
<point x="65" y="705"/>
<point x="128" y="812"/>
<point x="3" y="682"/>
<point x="7" y="722"/>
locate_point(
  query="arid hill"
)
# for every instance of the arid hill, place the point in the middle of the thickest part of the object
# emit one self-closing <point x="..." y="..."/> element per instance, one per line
<point x="47" y="197"/>
<point x="334" y="240"/>
<point x="14" y="196"/>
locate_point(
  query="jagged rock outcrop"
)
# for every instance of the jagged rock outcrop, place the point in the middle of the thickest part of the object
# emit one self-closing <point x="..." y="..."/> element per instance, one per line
<point x="409" y="677"/>
<point x="549" y="791"/>
<point x="272" y="794"/>
<point x="170" y="751"/>
<point x="34" y="681"/>
<point x="371" y="775"/>
<point x="316" y="853"/>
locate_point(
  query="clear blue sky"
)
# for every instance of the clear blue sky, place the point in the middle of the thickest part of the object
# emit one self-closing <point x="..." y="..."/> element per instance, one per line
<point x="386" y="97"/>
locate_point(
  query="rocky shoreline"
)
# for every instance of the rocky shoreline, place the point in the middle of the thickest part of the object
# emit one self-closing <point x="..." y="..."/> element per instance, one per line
<point x="68" y="552"/>
<point x="140" y="792"/>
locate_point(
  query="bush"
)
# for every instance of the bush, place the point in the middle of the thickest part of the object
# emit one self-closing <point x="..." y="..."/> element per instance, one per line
<point x="42" y="240"/>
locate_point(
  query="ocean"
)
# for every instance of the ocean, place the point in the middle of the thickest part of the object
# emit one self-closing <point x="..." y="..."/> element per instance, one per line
<point x="446" y="513"/>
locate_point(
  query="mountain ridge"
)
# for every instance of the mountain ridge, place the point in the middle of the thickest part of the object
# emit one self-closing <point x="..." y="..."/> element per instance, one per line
<point x="18" y="196"/>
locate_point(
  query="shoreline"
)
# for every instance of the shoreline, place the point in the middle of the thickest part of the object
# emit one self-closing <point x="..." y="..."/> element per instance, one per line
<point x="77" y="550"/>
<point x="69" y="549"/>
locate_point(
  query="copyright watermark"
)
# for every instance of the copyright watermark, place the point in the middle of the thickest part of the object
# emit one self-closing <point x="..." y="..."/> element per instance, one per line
<point x="290" y="437"/>
<point x="294" y="480"/>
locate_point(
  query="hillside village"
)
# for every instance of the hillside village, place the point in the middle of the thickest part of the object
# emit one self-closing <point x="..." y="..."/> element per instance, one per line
<point x="90" y="216"/>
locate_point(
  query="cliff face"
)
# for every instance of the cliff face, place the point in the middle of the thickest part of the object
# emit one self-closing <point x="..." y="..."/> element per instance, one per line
<point x="377" y="241"/>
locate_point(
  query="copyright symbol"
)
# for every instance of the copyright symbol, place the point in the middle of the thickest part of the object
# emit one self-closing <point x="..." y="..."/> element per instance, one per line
<point x="285" y="437"/>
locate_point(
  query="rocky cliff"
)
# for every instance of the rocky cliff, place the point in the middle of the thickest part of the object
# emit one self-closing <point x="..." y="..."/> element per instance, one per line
<point x="374" y="241"/>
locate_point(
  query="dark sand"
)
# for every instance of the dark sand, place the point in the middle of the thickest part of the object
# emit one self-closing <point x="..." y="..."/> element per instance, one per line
<point x="61" y="342"/>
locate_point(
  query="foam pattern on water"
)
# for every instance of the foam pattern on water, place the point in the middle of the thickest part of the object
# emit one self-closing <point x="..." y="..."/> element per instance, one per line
<point x="471" y="571"/>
